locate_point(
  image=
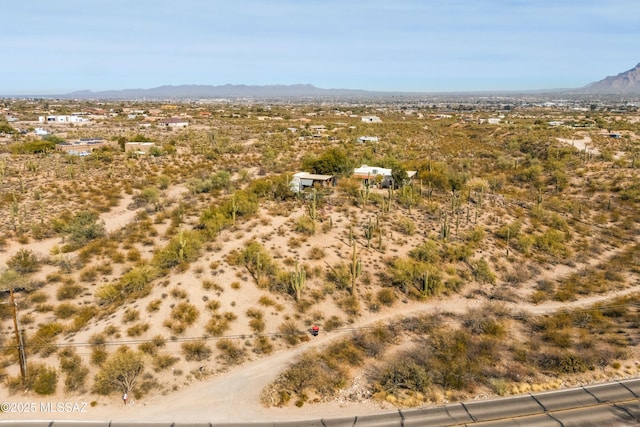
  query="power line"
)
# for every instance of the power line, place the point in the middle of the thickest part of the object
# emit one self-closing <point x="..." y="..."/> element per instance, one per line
<point x="300" y="332"/>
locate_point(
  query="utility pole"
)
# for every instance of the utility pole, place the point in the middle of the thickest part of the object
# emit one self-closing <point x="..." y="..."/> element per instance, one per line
<point x="22" y="355"/>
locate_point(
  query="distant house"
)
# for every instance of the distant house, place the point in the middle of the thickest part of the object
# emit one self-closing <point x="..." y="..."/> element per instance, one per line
<point x="363" y="139"/>
<point x="138" y="147"/>
<point x="82" y="147"/>
<point x="63" y="119"/>
<point x="41" y="132"/>
<point x="174" y="122"/>
<point x="370" y="174"/>
<point x="371" y="119"/>
<point x="302" y="180"/>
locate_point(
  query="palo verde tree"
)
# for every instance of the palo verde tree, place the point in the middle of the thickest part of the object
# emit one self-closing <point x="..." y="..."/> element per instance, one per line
<point x="120" y="372"/>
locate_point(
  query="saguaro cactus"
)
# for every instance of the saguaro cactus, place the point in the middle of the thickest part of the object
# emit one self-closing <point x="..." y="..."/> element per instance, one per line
<point x="297" y="281"/>
<point x="313" y="205"/>
<point x="444" y="230"/>
<point x="355" y="268"/>
<point x="369" y="230"/>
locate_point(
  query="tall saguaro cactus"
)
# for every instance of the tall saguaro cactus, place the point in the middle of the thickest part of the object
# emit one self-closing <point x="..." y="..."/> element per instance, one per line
<point x="355" y="268"/>
<point x="297" y="281"/>
<point x="313" y="214"/>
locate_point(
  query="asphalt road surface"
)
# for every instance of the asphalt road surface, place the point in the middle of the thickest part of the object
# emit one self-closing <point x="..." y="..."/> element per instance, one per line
<point x="612" y="404"/>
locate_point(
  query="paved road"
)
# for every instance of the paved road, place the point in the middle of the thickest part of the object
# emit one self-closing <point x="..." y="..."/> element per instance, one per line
<point x="609" y="404"/>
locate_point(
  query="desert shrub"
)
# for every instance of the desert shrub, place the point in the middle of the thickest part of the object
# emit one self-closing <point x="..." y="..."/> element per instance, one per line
<point x="339" y="276"/>
<point x="316" y="253"/>
<point x="38" y="297"/>
<point x="40" y="378"/>
<point x="152" y="347"/>
<point x="386" y="297"/>
<point x="376" y="340"/>
<point x="311" y="374"/>
<point x="511" y="230"/>
<point x="259" y="262"/>
<point x="552" y="242"/>
<point x="65" y="310"/>
<point x="81" y="318"/>
<point x="230" y="353"/>
<point x="305" y="225"/>
<point x="163" y="361"/>
<point x="345" y="351"/>
<point x="130" y="315"/>
<point x="137" y="330"/>
<point x="154" y="305"/>
<point x="182" y="249"/>
<point x="68" y="291"/>
<point x="405" y="226"/>
<point x="256" y="323"/>
<point x="196" y="350"/>
<point x="209" y="285"/>
<point x="89" y="274"/>
<point x="136" y="283"/>
<point x="482" y="272"/>
<point x="24" y="262"/>
<point x="120" y="372"/>
<point x="133" y="255"/>
<point x="266" y="301"/>
<point x="350" y="305"/>
<point x="415" y="278"/>
<point x="219" y="323"/>
<point x="183" y="315"/>
<point x="262" y="345"/>
<point x="290" y="332"/>
<point x="404" y="373"/>
<point x="43" y="340"/>
<point x="76" y="373"/>
<point x="332" y="323"/>
<point x="81" y="229"/>
<point x="99" y="355"/>
<point x="427" y="252"/>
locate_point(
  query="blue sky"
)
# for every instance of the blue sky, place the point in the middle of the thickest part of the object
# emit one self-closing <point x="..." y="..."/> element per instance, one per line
<point x="51" y="47"/>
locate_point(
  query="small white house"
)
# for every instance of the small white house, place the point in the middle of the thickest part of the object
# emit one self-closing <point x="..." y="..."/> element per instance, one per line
<point x="363" y="139"/>
<point x="371" y="119"/>
<point x="174" y="122"/>
<point x="138" y="147"/>
<point x="41" y="132"/>
<point x="367" y="173"/>
<point x="302" y="180"/>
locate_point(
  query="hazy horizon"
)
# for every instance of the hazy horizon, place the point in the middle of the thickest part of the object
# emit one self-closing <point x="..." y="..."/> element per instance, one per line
<point x="406" y="45"/>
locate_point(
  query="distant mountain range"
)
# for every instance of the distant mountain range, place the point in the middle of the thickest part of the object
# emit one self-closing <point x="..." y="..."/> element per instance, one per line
<point x="626" y="83"/>
<point x="223" y="91"/>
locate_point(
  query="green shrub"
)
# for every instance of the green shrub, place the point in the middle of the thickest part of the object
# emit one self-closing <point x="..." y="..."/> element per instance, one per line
<point x="68" y="291"/>
<point x="230" y="353"/>
<point x="24" y="262"/>
<point x="219" y="323"/>
<point x="163" y="361"/>
<point x="196" y="350"/>
<point x="137" y="330"/>
<point x="65" y="310"/>
<point x="262" y="345"/>
<point x="305" y="225"/>
<point x="290" y="332"/>
<point x="76" y="373"/>
<point x="482" y="272"/>
<point x="386" y="297"/>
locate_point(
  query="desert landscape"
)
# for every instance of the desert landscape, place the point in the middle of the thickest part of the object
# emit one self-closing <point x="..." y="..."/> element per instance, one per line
<point x="185" y="267"/>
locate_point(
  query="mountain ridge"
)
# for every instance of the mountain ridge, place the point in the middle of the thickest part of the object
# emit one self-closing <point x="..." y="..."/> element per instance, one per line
<point x="625" y="83"/>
